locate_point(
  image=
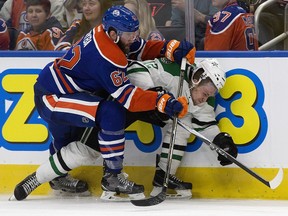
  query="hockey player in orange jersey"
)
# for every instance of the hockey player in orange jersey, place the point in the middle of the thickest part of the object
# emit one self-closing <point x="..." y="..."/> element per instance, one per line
<point x="88" y="87"/>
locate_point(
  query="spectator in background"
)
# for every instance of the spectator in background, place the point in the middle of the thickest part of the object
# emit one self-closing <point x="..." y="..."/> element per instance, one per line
<point x="44" y="31"/>
<point x="203" y="11"/>
<point x="92" y="16"/>
<point x="147" y="26"/>
<point x="4" y="36"/>
<point x="15" y="21"/>
<point x="232" y="28"/>
<point x="14" y="13"/>
<point x="58" y="11"/>
<point x="73" y="10"/>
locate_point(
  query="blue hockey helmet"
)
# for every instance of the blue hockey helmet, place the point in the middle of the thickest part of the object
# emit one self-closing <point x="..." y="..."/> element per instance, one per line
<point x="121" y="19"/>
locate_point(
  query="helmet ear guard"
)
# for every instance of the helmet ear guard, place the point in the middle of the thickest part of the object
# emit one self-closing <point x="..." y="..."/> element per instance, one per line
<point x="118" y="35"/>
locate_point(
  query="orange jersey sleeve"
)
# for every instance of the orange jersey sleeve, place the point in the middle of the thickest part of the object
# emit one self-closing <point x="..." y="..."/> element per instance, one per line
<point x="152" y="50"/>
<point x="143" y="101"/>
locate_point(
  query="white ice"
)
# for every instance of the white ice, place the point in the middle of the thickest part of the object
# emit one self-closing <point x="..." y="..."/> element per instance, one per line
<point x="92" y="206"/>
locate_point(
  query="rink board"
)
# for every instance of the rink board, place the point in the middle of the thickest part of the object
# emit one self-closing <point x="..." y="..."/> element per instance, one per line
<point x="251" y="107"/>
<point x="207" y="182"/>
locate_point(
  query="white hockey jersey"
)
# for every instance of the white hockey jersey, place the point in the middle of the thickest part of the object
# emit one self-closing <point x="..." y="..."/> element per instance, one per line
<point x="162" y="72"/>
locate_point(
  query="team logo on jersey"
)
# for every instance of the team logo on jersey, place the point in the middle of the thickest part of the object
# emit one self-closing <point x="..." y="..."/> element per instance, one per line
<point x="116" y="13"/>
<point x="25" y="44"/>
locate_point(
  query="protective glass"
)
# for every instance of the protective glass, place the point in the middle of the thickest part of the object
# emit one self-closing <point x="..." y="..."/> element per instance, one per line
<point x="130" y="36"/>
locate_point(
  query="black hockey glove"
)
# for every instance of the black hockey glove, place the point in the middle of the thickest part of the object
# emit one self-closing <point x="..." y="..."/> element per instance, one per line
<point x="225" y="142"/>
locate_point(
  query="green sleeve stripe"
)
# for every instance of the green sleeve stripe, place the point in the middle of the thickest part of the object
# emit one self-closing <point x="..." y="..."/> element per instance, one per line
<point x="135" y="70"/>
<point x="175" y="157"/>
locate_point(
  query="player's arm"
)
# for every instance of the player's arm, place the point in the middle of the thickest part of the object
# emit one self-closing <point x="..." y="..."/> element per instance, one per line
<point x="172" y="49"/>
<point x="135" y="99"/>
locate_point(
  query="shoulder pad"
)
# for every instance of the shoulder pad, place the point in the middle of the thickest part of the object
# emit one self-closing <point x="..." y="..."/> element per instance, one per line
<point x="108" y="49"/>
<point x="224" y="19"/>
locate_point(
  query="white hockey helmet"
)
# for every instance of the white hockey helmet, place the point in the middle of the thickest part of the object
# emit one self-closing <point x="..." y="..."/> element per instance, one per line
<point x="213" y="70"/>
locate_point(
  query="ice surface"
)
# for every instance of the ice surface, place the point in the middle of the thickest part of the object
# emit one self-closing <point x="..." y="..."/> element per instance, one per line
<point x="92" y="206"/>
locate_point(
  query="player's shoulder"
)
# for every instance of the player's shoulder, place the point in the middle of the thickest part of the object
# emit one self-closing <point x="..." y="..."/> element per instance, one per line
<point x="108" y="49"/>
<point x="225" y="18"/>
<point x="168" y="66"/>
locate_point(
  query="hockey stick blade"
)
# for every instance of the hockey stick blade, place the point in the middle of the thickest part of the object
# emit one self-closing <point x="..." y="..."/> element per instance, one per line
<point x="152" y="200"/>
<point x="274" y="183"/>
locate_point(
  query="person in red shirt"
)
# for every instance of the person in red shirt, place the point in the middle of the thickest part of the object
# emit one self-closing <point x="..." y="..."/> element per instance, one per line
<point x="4" y="36"/>
<point x="232" y="28"/>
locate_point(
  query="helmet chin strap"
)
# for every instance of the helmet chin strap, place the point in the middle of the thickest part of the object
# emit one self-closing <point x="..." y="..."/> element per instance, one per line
<point x="189" y="91"/>
<point x="192" y="84"/>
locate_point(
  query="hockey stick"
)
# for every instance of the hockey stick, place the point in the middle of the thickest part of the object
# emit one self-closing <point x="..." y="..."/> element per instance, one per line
<point x="274" y="183"/>
<point x="162" y="195"/>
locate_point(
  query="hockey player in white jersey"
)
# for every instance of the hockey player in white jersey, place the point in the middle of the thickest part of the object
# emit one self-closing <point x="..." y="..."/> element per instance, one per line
<point x="202" y="81"/>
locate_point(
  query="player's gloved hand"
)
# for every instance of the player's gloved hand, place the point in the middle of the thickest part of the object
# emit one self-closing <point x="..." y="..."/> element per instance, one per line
<point x="166" y="103"/>
<point x="176" y="50"/>
<point x="225" y="142"/>
<point x="183" y="100"/>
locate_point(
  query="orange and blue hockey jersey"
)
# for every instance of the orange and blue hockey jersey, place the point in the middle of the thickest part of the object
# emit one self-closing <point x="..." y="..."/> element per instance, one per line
<point x="97" y="64"/>
<point x="232" y="28"/>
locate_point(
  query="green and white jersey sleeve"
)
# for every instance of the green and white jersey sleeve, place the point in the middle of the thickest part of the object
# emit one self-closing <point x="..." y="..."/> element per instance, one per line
<point x="162" y="72"/>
